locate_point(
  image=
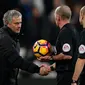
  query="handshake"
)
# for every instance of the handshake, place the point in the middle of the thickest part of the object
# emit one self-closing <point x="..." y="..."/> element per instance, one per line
<point x="45" y="69"/>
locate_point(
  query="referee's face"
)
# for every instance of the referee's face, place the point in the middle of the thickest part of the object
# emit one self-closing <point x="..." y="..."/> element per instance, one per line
<point x="57" y="19"/>
<point x="80" y="18"/>
<point x="15" y="24"/>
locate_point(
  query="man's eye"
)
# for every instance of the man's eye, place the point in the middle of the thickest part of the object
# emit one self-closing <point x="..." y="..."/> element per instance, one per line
<point x="18" y="23"/>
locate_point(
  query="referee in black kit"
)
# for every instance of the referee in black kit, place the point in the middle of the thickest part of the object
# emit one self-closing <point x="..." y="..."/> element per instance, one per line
<point x="79" y="73"/>
<point x="66" y="46"/>
<point x="10" y="60"/>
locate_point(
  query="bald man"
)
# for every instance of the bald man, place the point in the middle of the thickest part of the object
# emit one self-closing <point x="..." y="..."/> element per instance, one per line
<point x="66" y="46"/>
<point x="81" y="50"/>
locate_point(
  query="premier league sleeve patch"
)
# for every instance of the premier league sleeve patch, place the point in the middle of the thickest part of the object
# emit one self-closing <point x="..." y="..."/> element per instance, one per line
<point x="66" y="47"/>
<point x="81" y="49"/>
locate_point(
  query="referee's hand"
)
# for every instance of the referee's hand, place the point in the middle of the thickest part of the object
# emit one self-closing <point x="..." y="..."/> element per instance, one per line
<point x="44" y="58"/>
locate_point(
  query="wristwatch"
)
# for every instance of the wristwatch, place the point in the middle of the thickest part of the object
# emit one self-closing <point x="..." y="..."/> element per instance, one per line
<point x="51" y="57"/>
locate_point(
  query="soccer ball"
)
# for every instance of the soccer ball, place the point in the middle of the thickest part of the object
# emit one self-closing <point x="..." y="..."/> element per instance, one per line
<point x="42" y="48"/>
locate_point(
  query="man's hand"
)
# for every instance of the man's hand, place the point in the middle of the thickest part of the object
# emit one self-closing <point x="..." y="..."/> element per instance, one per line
<point x="44" y="58"/>
<point x="44" y="70"/>
<point x="61" y="56"/>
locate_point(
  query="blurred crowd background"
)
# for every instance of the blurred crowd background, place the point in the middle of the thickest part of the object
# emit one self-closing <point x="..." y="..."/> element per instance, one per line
<point x="38" y="23"/>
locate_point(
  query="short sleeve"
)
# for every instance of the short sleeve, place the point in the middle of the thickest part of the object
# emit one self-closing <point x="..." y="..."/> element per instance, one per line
<point x="81" y="47"/>
<point x="65" y="42"/>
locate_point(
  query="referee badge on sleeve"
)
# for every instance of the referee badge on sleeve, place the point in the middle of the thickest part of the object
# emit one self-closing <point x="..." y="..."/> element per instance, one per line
<point x="81" y="49"/>
<point x="66" y="47"/>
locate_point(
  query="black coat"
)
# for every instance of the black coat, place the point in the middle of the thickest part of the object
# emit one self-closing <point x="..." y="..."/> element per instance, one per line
<point x="10" y="60"/>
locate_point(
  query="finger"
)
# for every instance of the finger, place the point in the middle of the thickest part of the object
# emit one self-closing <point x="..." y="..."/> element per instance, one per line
<point x="43" y="65"/>
<point x="44" y="71"/>
<point x="43" y="57"/>
<point x="39" y="59"/>
<point x="42" y="60"/>
<point x="67" y="57"/>
<point x="47" y="68"/>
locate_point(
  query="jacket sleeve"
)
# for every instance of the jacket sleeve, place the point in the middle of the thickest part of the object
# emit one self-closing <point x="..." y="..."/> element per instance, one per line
<point x="14" y="59"/>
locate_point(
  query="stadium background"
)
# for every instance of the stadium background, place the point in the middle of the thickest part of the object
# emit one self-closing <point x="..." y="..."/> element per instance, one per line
<point x="38" y="23"/>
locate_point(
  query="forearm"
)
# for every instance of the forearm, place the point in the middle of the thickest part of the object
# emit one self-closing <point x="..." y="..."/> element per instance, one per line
<point x="78" y="69"/>
<point x="61" y="56"/>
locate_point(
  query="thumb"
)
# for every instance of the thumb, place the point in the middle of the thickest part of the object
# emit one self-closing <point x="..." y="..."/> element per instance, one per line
<point x="67" y="57"/>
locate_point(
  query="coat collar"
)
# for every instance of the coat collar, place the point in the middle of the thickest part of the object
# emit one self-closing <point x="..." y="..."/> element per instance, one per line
<point x="14" y="35"/>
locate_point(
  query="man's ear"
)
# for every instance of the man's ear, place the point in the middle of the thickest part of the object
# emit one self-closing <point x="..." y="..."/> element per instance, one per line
<point x="59" y="18"/>
<point x="82" y="15"/>
<point x="6" y="22"/>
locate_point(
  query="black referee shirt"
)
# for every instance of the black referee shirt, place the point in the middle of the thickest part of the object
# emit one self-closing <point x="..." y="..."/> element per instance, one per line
<point x="67" y="43"/>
